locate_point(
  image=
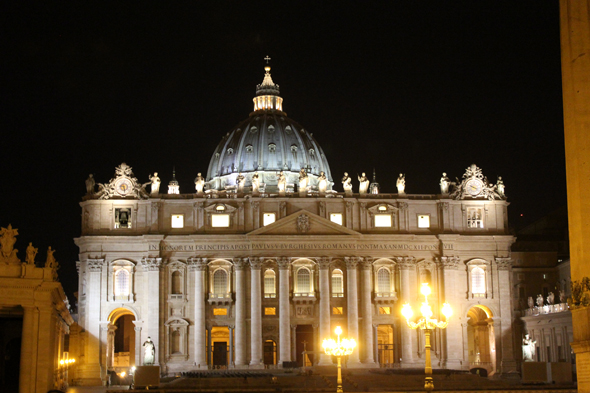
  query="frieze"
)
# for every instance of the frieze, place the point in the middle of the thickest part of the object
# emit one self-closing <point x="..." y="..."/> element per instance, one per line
<point x="299" y="246"/>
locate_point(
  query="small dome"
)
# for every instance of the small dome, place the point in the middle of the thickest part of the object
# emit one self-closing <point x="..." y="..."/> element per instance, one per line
<point x="267" y="142"/>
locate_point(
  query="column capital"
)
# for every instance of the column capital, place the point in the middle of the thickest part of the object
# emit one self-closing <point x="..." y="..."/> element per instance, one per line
<point x="255" y="263"/>
<point x="324" y="262"/>
<point x="197" y="264"/>
<point x="504" y="263"/>
<point x="405" y="263"/>
<point x="240" y="263"/>
<point x="448" y="263"/>
<point x="151" y="264"/>
<point x="94" y="265"/>
<point x="352" y="262"/>
<point x="367" y="263"/>
<point x="284" y="263"/>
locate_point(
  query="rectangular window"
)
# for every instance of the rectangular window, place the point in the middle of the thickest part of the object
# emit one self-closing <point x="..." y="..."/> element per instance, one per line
<point x="122" y="218"/>
<point x="337" y="310"/>
<point x="220" y="311"/>
<point x="385" y="310"/>
<point x="270" y="311"/>
<point x="268" y="218"/>
<point x="220" y="220"/>
<point x="474" y="217"/>
<point x="336" y="218"/>
<point x="178" y="221"/>
<point x="382" y="220"/>
<point x="423" y="221"/>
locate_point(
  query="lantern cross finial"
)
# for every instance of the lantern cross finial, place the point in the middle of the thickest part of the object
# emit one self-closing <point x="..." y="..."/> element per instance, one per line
<point x="267" y="59"/>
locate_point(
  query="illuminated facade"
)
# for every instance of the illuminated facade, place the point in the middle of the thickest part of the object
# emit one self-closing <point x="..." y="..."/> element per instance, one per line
<point x="258" y="266"/>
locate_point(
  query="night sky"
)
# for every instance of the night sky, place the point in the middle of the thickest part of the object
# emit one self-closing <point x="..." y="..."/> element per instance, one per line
<point x="418" y="87"/>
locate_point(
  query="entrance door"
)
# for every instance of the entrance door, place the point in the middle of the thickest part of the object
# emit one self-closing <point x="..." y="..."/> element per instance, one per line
<point x="304" y="341"/>
<point x="270" y="352"/>
<point x="386" y="345"/>
<point x="10" y="347"/>
<point x="220" y="354"/>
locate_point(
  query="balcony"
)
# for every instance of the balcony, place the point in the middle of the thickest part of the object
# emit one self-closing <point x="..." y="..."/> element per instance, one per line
<point x="304" y="297"/>
<point x="385" y="297"/>
<point x="546" y="309"/>
<point x="220" y="299"/>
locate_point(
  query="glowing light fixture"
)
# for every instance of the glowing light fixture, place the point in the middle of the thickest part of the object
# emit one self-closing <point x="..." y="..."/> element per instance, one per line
<point x="427" y="323"/>
<point x="339" y="348"/>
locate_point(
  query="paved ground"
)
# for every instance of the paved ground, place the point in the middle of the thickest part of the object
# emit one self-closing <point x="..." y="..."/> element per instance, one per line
<point x="354" y="381"/>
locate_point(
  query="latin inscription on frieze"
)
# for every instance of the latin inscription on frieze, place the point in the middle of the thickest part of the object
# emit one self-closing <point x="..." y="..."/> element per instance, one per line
<point x="300" y="246"/>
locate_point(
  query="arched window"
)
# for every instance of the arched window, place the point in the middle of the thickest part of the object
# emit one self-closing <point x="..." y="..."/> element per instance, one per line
<point x="337" y="283"/>
<point x="122" y="282"/>
<point x="478" y="281"/>
<point x="270" y="290"/>
<point x="220" y="282"/>
<point x="383" y="280"/>
<point x="176" y="283"/>
<point x="175" y="342"/>
<point x="303" y="280"/>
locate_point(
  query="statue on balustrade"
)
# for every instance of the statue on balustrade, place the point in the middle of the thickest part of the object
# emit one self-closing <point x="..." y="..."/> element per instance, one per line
<point x="255" y="183"/>
<point x="7" y="240"/>
<point x="550" y="298"/>
<point x="90" y="185"/>
<point x="539" y="300"/>
<point x="347" y="184"/>
<point x="401" y="184"/>
<point x="281" y="183"/>
<point x="322" y="183"/>
<point x="444" y="184"/>
<point x="241" y="182"/>
<point x="155" y="184"/>
<point x="199" y="183"/>
<point x="364" y="184"/>
<point x="500" y="187"/>
<point x="31" y="254"/>
<point x="531" y="302"/>
<point x="303" y="181"/>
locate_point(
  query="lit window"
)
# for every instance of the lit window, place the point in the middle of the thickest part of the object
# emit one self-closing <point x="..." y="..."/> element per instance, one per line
<point x="268" y="218"/>
<point x="478" y="281"/>
<point x="122" y="282"/>
<point x="303" y="281"/>
<point x="384" y="310"/>
<point x="220" y="220"/>
<point x="383" y="280"/>
<point x="220" y="282"/>
<point x="382" y="208"/>
<point x="474" y="217"/>
<point x="177" y="221"/>
<point x="382" y="220"/>
<point x="337" y="310"/>
<point x="220" y="311"/>
<point x="337" y="283"/>
<point x="270" y="311"/>
<point x="123" y="218"/>
<point x="423" y="221"/>
<point x="176" y="283"/>
<point x="336" y="218"/>
<point x="220" y="208"/>
<point x="269" y="284"/>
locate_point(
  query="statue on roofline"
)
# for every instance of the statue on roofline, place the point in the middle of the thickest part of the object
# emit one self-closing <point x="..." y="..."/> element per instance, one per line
<point x="364" y="184"/>
<point x="7" y="240"/>
<point x="31" y="254"/>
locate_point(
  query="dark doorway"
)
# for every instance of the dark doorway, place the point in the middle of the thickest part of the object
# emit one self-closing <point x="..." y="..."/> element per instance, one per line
<point x="220" y="354"/>
<point x="10" y="348"/>
<point x="270" y="352"/>
<point x="304" y="341"/>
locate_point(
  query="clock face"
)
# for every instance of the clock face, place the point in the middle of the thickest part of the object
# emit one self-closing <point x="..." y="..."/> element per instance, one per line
<point x="123" y="186"/>
<point x="473" y="187"/>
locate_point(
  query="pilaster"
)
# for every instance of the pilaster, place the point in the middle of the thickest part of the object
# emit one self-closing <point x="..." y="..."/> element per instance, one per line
<point x="324" y="264"/>
<point x="284" y="311"/>
<point x="352" y="305"/>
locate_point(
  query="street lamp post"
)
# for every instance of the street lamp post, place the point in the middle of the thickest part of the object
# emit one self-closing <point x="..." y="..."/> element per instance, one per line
<point x="339" y="348"/>
<point x="427" y="323"/>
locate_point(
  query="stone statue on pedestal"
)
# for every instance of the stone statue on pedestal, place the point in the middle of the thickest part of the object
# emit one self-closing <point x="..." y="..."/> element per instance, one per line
<point x="7" y="240"/>
<point x="528" y="349"/>
<point x="444" y="184"/>
<point x="31" y="254"/>
<point x="281" y="183"/>
<point x="347" y="184"/>
<point x="149" y="352"/>
<point x="531" y="302"/>
<point x="539" y="300"/>
<point x="401" y="184"/>
<point x="500" y="187"/>
<point x="241" y="182"/>
<point x="155" y="184"/>
<point x="50" y="262"/>
<point x="199" y="183"/>
<point x="255" y="183"/>
<point x="364" y="184"/>
<point x="90" y="185"/>
<point x="322" y="183"/>
<point x="562" y="298"/>
<point x="550" y="298"/>
<point x="303" y="181"/>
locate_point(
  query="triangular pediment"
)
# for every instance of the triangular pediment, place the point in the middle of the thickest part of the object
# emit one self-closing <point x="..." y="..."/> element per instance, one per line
<point x="303" y="223"/>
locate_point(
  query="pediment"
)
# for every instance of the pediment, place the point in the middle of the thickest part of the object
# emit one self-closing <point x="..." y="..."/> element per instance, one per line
<point x="303" y="223"/>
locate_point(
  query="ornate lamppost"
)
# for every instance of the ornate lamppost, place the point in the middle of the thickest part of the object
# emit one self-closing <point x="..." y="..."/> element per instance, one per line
<point x="339" y="348"/>
<point x="427" y="324"/>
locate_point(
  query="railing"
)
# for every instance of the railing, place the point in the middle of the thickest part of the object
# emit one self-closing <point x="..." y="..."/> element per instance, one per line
<point x="220" y="296"/>
<point x="546" y="309"/>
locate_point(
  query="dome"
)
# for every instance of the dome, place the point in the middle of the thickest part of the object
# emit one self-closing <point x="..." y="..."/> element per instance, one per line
<point x="267" y="142"/>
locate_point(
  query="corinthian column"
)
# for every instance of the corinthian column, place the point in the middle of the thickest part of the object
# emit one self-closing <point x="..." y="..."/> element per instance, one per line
<point x="239" y="265"/>
<point x="405" y="265"/>
<point x="197" y="268"/>
<point x="324" y="308"/>
<point x="255" y="313"/>
<point x="367" y="311"/>
<point x="284" y="311"/>
<point x="352" y="305"/>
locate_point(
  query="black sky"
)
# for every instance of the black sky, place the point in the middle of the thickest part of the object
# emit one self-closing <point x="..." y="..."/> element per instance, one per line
<point x="419" y="87"/>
